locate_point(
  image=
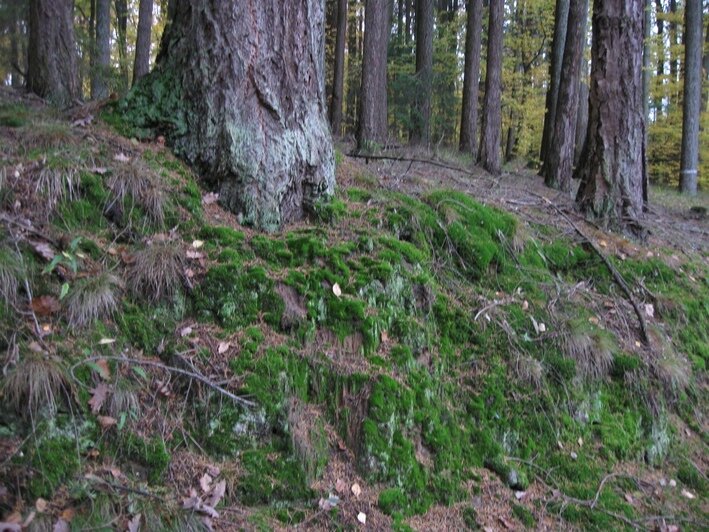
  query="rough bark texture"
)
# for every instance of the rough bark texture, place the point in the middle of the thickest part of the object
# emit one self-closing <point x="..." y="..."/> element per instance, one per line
<point x="372" y="127"/>
<point x="561" y="17"/>
<point x="338" y="84"/>
<point x="581" y="122"/>
<point x="660" y="40"/>
<point x="490" y="149"/>
<point x="122" y="34"/>
<point x="53" y="69"/>
<point x="611" y="169"/>
<point x="102" y="49"/>
<point x="141" y="66"/>
<point x="471" y="79"/>
<point x="421" y="113"/>
<point x="560" y="154"/>
<point x="240" y="94"/>
<point x="354" y="71"/>
<point x="692" y="106"/>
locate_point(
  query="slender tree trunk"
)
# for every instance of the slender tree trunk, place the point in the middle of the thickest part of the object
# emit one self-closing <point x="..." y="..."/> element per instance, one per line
<point x="15" y="61"/>
<point x="102" y="48"/>
<point x="647" y="35"/>
<point x="611" y="169"/>
<point x="400" y="20"/>
<point x="372" y="128"/>
<point x="338" y="83"/>
<point x="705" y="63"/>
<point x="53" y="65"/>
<point x="489" y="156"/>
<point x="471" y="80"/>
<point x="692" y="96"/>
<point x="421" y="113"/>
<point x="674" y="61"/>
<point x="257" y="126"/>
<point x="122" y="34"/>
<point x="141" y="67"/>
<point x="409" y="20"/>
<point x="561" y="16"/>
<point x="354" y="71"/>
<point x="660" y="21"/>
<point x="560" y="156"/>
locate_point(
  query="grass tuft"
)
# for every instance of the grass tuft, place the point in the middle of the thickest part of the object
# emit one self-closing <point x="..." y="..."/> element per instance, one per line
<point x="590" y="347"/>
<point x="57" y="180"/>
<point x="157" y="272"/>
<point x="134" y="180"/>
<point x="36" y="382"/>
<point x="530" y="371"/>
<point x="10" y="275"/>
<point x="91" y="299"/>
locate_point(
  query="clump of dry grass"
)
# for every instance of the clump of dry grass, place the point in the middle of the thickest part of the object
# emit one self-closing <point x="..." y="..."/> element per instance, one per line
<point x="671" y="368"/>
<point x="530" y="371"/>
<point x="56" y="180"/>
<point x="48" y="135"/>
<point x="10" y="275"/>
<point x="136" y="181"/>
<point x="157" y="271"/>
<point x="124" y="400"/>
<point x="590" y="347"/>
<point x="92" y="298"/>
<point x="37" y="381"/>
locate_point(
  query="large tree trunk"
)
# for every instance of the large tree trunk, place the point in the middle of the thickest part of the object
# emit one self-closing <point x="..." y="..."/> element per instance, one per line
<point x="338" y="83"/>
<point x="490" y="148"/>
<point x="692" y="107"/>
<point x="122" y="34"/>
<point x="53" y="66"/>
<point x="101" y="62"/>
<point x="372" y="127"/>
<point x="611" y="169"/>
<point x="421" y="113"/>
<point x="15" y="57"/>
<point x="560" y="154"/>
<point x="354" y="66"/>
<point x="581" y="122"/>
<point x="141" y="66"/>
<point x="561" y="17"/>
<point x="471" y="79"/>
<point x="241" y="96"/>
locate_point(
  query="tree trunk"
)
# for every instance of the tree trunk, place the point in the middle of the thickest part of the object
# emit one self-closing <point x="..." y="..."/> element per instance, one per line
<point x="15" y="58"/>
<point x="354" y="66"/>
<point x="122" y="34"/>
<point x="560" y="155"/>
<point x="489" y="156"/>
<point x="674" y="62"/>
<point x="241" y="96"/>
<point x="102" y="48"/>
<point x="611" y="169"/>
<point x="53" y="66"/>
<point x="141" y="66"/>
<point x="338" y="83"/>
<point x="581" y="122"/>
<point x="421" y="113"/>
<point x="471" y="80"/>
<point x="691" y="112"/>
<point x="659" y="12"/>
<point x="561" y="16"/>
<point x="705" y="62"/>
<point x="409" y="20"/>
<point x="372" y="128"/>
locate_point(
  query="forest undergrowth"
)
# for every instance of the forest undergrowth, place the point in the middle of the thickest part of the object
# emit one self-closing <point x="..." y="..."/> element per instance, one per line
<point x="435" y="349"/>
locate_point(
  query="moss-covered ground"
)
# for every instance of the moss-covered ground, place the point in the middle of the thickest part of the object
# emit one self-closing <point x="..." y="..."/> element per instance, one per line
<point x="403" y="355"/>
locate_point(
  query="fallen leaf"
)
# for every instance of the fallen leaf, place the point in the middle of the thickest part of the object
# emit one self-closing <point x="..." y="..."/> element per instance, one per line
<point x="103" y="370"/>
<point x="525" y="305"/>
<point x="385" y="337"/>
<point x="340" y="486"/>
<point x="594" y="320"/>
<point x="121" y="158"/>
<point x="186" y="331"/>
<point x="362" y="518"/>
<point x="519" y="495"/>
<point x="205" y="483"/>
<point x="356" y="490"/>
<point x="535" y="324"/>
<point x="542" y="327"/>
<point x="98" y="396"/>
<point x="194" y="255"/>
<point x="83" y="122"/>
<point x="688" y="494"/>
<point x="213" y="471"/>
<point x="580" y="442"/>
<point x="41" y="505"/>
<point x="649" y="310"/>
<point x="336" y="290"/>
<point x="43" y="249"/>
<point x="106" y="422"/>
<point x="603" y="243"/>
<point x="574" y="456"/>
<point x="68" y="514"/>
<point x="223" y="347"/>
<point x="45" y="305"/>
<point x="134" y="524"/>
<point x="210" y="198"/>
<point x="629" y="498"/>
<point x="218" y="492"/>
<point x="197" y="244"/>
<point x="100" y="170"/>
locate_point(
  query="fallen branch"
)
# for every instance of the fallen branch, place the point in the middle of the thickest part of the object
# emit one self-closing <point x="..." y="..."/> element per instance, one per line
<point x="617" y="277"/>
<point x="411" y="160"/>
<point x="192" y="375"/>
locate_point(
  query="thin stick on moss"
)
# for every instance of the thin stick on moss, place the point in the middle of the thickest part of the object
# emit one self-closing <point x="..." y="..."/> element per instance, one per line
<point x="617" y="277"/>
<point x="172" y="369"/>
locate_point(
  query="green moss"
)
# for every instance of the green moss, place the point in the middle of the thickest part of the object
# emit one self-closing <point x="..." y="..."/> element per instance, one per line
<point x="358" y="195"/>
<point x="330" y="211"/>
<point x="149" y="453"/>
<point x="54" y="461"/>
<point x="524" y="515"/>
<point x="690" y="476"/>
<point x="271" y="477"/>
<point x="81" y="214"/>
<point x="514" y="477"/>
<point x="470" y="518"/>
<point x="146" y="327"/>
<point x="623" y="364"/>
<point x="392" y="500"/>
<point x="221" y="236"/>
<point x="13" y="115"/>
<point x="271" y="250"/>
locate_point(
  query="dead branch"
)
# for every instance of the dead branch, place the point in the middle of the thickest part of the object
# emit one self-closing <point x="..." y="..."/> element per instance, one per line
<point x="410" y="160"/>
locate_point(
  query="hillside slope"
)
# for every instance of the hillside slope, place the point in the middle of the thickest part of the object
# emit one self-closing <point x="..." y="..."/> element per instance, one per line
<point x="410" y="357"/>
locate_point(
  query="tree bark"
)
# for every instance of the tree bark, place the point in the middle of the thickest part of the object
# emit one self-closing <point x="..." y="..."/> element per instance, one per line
<point x="421" y="114"/>
<point x="372" y="127"/>
<point x="122" y="34"/>
<point x="611" y="170"/>
<point x="560" y="155"/>
<point x="240" y="94"/>
<point x="489" y="156"/>
<point x="659" y="12"/>
<point x="561" y="16"/>
<point x="581" y="122"/>
<point x="338" y="83"/>
<point x="354" y="66"/>
<point x="674" y="62"/>
<point x="692" y="106"/>
<point x="471" y="79"/>
<point x="53" y="66"/>
<point x="141" y="66"/>
<point x="102" y="48"/>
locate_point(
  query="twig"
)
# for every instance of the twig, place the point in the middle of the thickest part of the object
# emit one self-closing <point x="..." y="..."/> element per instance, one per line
<point x="190" y="374"/>
<point x="617" y="277"/>
<point x="122" y="488"/>
<point x="411" y="160"/>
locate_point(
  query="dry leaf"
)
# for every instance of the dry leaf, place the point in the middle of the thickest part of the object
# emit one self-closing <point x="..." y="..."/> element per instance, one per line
<point x="542" y="327"/>
<point x="210" y="198"/>
<point x="519" y="495"/>
<point x="356" y="490"/>
<point x="218" y="492"/>
<point x="385" y="337"/>
<point x="42" y="249"/>
<point x="649" y="310"/>
<point x="362" y="518"/>
<point x="45" y="305"/>
<point x="68" y="514"/>
<point x="213" y="471"/>
<point x="121" y="158"/>
<point x="103" y="370"/>
<point x="205" y="483"/>
<point x="98" y="396"/>
<point x="340" y="486"/>
<point x="106" y="341"/>
<point x="134" y="524"/>
<point x="223" y="347"/>
<point x="603" y="243"/>
<point x="197" y="244"/>
<point x="194" y="255"/>
<point x="41" y="505"/>
<point x="100" y="170"/>
<point x="186" y="331"/>
<point x="336" y="290"/>
<point x="525" y="305"/>
<point x="106" y="422"/>
<point x="688" y="494"/>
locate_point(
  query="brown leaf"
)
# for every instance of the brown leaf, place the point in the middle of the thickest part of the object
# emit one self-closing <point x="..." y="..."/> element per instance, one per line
<point x="210" y="198"/>
<point x="68" y="514"/>
<point x="45" y="305"/>
<point x="42" y="249"/>
<point x="213" y="471"/>
<point x="106" y="422"/>
<point x="98" y="396"/>
<point x="41" y="505"/>
<point x="223" y="347"/>
<point x="104" y="370"/>
<point x="121" y="158"/>
<point x="205" y="483"/>
<point x="218" y="492"/>
<point x="340" y="486"/>
<point x="356" y="490"/>
<point x="134" y="524"/>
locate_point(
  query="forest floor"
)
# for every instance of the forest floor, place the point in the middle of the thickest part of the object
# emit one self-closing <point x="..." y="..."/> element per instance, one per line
<point x="436" y="350"/>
